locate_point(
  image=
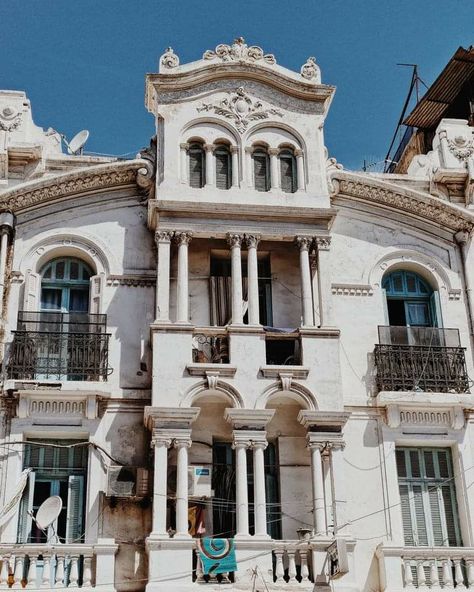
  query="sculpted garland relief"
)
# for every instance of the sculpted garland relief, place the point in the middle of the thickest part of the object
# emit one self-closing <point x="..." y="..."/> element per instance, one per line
<point x="239" y="107"/>
<point x="239" y="50"/>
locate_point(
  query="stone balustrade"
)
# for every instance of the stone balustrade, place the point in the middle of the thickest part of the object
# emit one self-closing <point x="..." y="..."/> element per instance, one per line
<point x="436" y="568"/>
<point x="292" y="562"/>
<point x="57" y="566"/>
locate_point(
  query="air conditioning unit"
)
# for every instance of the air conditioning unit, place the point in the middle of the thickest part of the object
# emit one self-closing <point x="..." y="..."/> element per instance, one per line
<point x="127" y="482"/>
<point x="199" y="481"/>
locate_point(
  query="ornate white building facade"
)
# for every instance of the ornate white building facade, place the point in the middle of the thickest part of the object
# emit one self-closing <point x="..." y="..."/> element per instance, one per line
<point x="230" y="336"/>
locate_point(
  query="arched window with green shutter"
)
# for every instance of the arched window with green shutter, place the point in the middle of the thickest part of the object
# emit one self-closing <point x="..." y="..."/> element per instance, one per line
<point x="65" y="285"/>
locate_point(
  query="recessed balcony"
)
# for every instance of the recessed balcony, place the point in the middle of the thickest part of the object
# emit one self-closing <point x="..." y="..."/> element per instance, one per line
<point x="59" y="346"/>
<point x="427" y="359"/>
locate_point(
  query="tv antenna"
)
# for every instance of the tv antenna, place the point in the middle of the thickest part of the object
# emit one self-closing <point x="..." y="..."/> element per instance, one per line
<point x="47" y="514"/>
<point x="76" y="145"/>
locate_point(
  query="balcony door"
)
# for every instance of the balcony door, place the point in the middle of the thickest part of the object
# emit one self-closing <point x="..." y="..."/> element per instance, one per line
<point x="64" y="305"/>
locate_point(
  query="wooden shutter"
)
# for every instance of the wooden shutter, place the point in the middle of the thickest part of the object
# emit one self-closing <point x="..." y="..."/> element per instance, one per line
<point x="97" y="283"/>
<point x="406" y="516"/>
<point x="435" y="309"/>
<point x="260" y="167"/>
<point x="287" y="173"/>
<point x="75" y="503"/>
<point x="26" y="506"/>
<point x="196" y="167"/>
<point x="223" y="169"/>
<point x="32" y="291"/>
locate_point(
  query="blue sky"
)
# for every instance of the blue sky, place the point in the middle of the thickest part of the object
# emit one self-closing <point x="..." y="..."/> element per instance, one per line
<point x="83" y="62"/>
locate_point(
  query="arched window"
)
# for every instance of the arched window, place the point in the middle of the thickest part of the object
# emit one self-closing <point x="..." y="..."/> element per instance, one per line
<point x="65" y="285"/>
<point x="197" y="165"/>
<point x="288" y="171"/>
<point x="410" y="300"/>
<point x="261" y="170"/>
<point x="223" y="167"/>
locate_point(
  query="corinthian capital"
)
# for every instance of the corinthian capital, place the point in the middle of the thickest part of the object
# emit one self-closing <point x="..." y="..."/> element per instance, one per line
<point x="163" y="236"/>
<point x="323" y="243"/>
<point x="183" y="238"/>
<point x="252" y="240"/>
<point x="234" y="240"/>
<point x="304" y="242"/>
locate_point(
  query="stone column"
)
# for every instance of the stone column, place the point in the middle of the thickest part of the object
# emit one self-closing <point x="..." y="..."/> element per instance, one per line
<point x="338" y="485"/>
<point x="209" y="148"/>
<point x="234" y="150"/>
<point x="319" y="512"/>
<point x="4" y="234"/>
<point x="183" y="155"/>
<point x="241" y="485"/>
<point x="324" y="281"/>
<point x="304" y="244"/>
<point x="182" y="444"/>
<point x="182" y="304"/>
<point x="274" y="172"/>
<point x="260" y="505"/>
<point x="252" y="272"/>
<point x="235" y="241"/>
<point x="248" y="167"/>
<point x="161" y="445"/>
<point x="299" y="169"/>
<point x="163" y="240"/>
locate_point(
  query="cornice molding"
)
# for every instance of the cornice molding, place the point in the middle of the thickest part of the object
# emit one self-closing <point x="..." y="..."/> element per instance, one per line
<point x="408" y="201"/>
<point x="85" y="180"/>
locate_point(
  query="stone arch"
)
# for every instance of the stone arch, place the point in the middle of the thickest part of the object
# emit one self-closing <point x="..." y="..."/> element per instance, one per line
<point x="221" y="130"/>
<point x="213" y="385"/>
<point x="294" y="390"/>
<point x="295" y="138"/>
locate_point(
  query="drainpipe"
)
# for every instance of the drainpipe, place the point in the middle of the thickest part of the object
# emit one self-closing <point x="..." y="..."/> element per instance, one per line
<point x="462" y="239"/>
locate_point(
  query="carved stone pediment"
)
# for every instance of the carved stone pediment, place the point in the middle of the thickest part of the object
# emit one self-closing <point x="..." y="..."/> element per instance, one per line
<point x="239" y="51"/>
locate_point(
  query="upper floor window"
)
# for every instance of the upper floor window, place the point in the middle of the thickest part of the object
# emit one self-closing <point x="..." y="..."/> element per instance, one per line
<point x="65" y="284"/>
<point x="261" y="170"/>
<point x="288" y="171"/>
<point x="410" y="300"/>
<point x="197" y="165"/>
<point x="223" y="167"/>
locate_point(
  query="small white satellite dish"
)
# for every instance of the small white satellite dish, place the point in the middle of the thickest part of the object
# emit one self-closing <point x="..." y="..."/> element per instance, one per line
<point x="48" y="511"/>
<point x="76" y="145"/>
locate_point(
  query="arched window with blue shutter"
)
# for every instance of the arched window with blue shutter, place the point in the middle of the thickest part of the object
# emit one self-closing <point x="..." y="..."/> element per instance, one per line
<point x="65" y="284"/>
<point x="411" y="301"/>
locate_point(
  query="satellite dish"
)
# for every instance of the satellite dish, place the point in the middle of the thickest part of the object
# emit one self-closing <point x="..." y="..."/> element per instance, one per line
<point x="48" y="511"/>
<point x="76" y="145"/>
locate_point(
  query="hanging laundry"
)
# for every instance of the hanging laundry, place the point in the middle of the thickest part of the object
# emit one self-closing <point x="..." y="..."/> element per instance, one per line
<point x="217" y="555"/>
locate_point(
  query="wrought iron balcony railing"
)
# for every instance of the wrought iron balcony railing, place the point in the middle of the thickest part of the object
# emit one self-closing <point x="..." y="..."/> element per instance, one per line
<point x="59" y="346"/>
<point x="420" y="359"/>
<point x="211" y="346"/>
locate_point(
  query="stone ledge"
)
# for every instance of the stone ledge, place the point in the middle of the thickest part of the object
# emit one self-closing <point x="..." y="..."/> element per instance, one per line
<point x="201" y="369"/>
<point x="299" y="372"/>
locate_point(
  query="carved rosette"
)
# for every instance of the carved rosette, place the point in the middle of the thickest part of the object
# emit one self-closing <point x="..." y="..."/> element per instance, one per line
<point x="239" y="51"/>
<point x="310" y="70"/>
<point x="240" y="108"/>
<point x="10" y="119"/>
<point x="169" y="59"/>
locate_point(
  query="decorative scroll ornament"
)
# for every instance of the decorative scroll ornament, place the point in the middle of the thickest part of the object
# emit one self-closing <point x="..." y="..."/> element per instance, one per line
<point x="310" y="69"/>
<point x="169" y="59"/>
<point x="10" y="119"/>
<point x="461" y="147"/>
<point x="241" y="108"/>
<point x="239" y="51"/>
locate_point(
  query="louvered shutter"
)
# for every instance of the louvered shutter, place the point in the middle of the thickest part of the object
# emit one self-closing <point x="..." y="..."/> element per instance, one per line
<point x="223" y="173"/>
<point x="287" y="174"/>
<point x="260" y="167"/>
<point x="436" y="520"/>
<point x="75" y="502"/>
<point x="97" y="283"/>
<point x="449" y="502"/>
<point x="421" y="533"/>
<point x="26" y="506"/>
<point x="32" y="289"/>
<point x="196" y="167"/>
<point x="406" y="516"/>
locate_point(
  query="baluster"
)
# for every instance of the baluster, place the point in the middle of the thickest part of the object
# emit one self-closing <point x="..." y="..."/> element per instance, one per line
<point x="59" y="576"/>
<point x="434" y="576"/>
<point x="73" y="573"/>
<point x="291" y="565"/>
<point x="447" y="574"/>
<point x="199" y="573"/>
<point x="31" y="583"/>
<point x="420" y="573"/>
<point x="458" y="575"/>
<point x="279" y="569"/>
<point x="4" y="571"/>
<point x="225" y="578"/>
<point x="18" y="573"/>
<point x="46" y="579"/>
<point x="470" y="573"/>
<point x="87" y="572"/>
<point x="408" y="573"/>
<point x="304" y="565"/>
